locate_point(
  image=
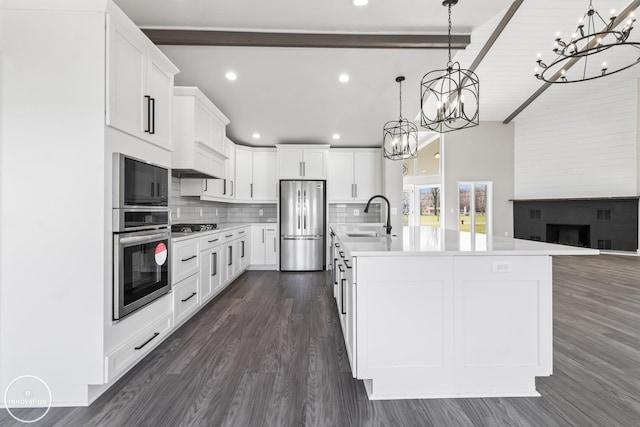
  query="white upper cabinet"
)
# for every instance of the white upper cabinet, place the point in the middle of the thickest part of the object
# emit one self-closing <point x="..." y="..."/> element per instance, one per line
<point x="139" y="83"/>
<point x="354" y="175"/>
<point x="198" y="135"/>
<point x="302" y="161"/>
<point x="256" y="174"/>
<point x="244" y="173"/>
<point x="265" y="178"/>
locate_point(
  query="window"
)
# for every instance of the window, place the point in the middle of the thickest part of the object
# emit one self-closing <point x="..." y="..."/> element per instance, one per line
<point x="474" y="213"/>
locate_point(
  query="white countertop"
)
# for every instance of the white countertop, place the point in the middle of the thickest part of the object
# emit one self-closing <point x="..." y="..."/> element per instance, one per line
<point x="177" y="236"/>
<point x="430" y="241"/>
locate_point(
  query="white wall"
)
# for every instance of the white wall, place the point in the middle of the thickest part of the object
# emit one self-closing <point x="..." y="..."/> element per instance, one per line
<point x="582" y="144"/>
<point x="482" y="153"/>
<point x="392" y="190"/>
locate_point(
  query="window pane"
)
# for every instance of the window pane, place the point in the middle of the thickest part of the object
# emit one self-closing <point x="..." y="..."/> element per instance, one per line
<point x="430" y="206"/>
<point x="464" y="220"/>
<point x="406" y="206"/>
<point x="481" y="208"/>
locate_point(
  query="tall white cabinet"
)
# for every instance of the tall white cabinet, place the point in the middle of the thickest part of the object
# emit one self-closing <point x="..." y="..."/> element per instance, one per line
<point x="91" y="69"/>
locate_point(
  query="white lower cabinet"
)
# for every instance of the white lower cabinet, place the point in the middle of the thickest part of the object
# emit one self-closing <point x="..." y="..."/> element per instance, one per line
<point x="185" y="261"/>
<point x="126" y="355"/>
<point x="264" y="247"/>
<point x="210" y="270"/>
<point x="186" y="299"/>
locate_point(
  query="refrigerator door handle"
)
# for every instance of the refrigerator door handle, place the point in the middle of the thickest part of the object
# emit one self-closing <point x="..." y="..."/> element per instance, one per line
<point x="304" y="209"/>
<point x="298" y="210"/>
<point x="301" y="237"/>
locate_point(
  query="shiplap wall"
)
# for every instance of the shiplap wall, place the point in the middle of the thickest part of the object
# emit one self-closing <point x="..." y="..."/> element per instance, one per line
<point x="579" y="142"/>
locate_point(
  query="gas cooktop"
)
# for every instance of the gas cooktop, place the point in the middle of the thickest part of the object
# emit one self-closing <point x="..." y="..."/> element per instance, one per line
<point x="192" y="228"/>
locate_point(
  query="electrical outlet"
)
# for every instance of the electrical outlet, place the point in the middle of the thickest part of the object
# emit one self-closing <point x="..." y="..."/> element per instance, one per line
<point x="502" y="267"/>
<point x="260" y="212"/>
<point x="356" y="212"/>
<point x="200" y="211"/>
<point x="178" y="213"/>
<point x="506" y="234"/>
<point x="216" y="211"/>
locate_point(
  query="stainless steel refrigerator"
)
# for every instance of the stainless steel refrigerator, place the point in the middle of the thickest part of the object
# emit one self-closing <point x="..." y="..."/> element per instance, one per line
<point x="302" y="225"/>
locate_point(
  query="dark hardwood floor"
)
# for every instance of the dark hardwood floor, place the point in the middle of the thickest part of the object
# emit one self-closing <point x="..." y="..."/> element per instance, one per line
<point x="269" y="351"/>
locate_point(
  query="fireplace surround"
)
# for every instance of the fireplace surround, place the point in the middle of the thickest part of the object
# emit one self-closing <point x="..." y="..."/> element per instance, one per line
<point x="599" y="223"/>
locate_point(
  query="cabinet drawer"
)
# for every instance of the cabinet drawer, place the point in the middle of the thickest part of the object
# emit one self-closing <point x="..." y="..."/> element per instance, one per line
<point x="186" y="298"/>
<point x="210" y="241"/>
<point x="125" y="356"/>
<point x="185" y="260"/>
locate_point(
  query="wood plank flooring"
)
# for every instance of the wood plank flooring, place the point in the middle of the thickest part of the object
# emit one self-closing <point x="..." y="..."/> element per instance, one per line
<point x="269" y="352"/>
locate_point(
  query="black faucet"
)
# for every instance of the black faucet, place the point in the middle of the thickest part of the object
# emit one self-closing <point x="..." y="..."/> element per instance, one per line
<point x="388" y="226"/>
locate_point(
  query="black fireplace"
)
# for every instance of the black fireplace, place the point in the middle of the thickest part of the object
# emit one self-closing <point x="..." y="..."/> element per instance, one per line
<point x="599" y="223"/>
<point x="569" y="234"/>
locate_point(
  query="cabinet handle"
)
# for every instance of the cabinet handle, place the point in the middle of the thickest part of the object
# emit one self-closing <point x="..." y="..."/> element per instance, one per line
<point x="153" y="189"/>
<point x="346" y="262"/>
<point x="214" y="261"/>
<point x="189" y="297"/>
<point x="224" y="187"/>
<point x="147" y="341"/>
<point x="230" y="255"/>
<point x="148" y="129"/>
<point x="337" y="245"/>
<point x="206" y="185"/>
<point x="341" y="254"/>
<point x="341" y="268"/>
<point x="274" y="245"/>
<point x="343" y="298"/>
<point x="152" y="130"/>
<point x="304" y="168"/>
<point x="241" y="232"/>
<point x="190" y="258"/>
<point x="230" y="235"/>
<point x="242" y="248"/>
<point x="211" y="241"/>
<point x="355" y="186"/>
<point x="251" y="190"/>
<point x="301" y="173"/>
<point x="263" y="233"/>
<point x="352" y="191"/>
<point x="231" y="195"/>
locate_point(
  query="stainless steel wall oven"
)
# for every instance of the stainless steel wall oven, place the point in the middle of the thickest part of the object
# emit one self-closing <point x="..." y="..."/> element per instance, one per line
<point x="141" y="258"/>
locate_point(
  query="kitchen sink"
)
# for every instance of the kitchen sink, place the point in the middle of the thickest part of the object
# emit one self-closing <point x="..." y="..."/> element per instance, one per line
<point x="363" y="234"/>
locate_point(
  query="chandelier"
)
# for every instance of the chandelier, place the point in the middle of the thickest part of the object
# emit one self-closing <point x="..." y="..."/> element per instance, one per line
<point x="450" y="98"/>
<point x="400" y="138"/>
<point x="585" y="42"/>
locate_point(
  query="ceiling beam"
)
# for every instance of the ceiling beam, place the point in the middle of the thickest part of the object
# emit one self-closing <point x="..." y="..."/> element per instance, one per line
<point x="305" y="40"/>
<point x="496" y="33"/>
<point x="623" y="16"/>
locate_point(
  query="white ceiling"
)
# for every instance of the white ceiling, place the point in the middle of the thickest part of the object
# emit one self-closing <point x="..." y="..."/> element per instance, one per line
<point x="293" y="94"/>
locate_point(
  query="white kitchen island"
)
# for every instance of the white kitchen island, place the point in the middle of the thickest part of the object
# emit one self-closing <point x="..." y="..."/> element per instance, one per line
<point x="442" y="314"/>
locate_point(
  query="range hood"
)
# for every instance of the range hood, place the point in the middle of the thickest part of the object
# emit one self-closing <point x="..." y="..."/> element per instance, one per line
<point x="193" y="173"/>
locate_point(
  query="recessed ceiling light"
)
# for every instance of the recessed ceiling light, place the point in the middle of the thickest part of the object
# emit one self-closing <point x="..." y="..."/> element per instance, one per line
<point x="360" y="2"/>
<point x="231" y="75"/>
<point x="256" y="135"/>
<point x="336" y="136"/>
<point x="343" y="78"/>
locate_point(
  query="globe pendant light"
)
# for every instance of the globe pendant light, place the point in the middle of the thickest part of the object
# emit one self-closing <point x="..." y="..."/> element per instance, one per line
<point x="587" y="42"/>
<point x="400" y="138"/>
<point x="450" y="98"/>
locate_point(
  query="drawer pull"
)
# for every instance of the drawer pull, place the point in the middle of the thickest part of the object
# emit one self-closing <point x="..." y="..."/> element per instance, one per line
<point x="341" y="268"/>
<point x="189" y="259"/>
<point x="189" y="297"/>
<point x="230" y="235"/>
<point x="341" y="254"/>
<point x="346" y="262"/>
<point x="147" y="341"/>
<point x="211" y="241"/>
<point x="241" y="232"/>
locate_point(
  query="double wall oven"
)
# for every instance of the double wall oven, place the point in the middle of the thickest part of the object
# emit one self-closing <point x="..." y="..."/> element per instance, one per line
<point x="141" y="233"/>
